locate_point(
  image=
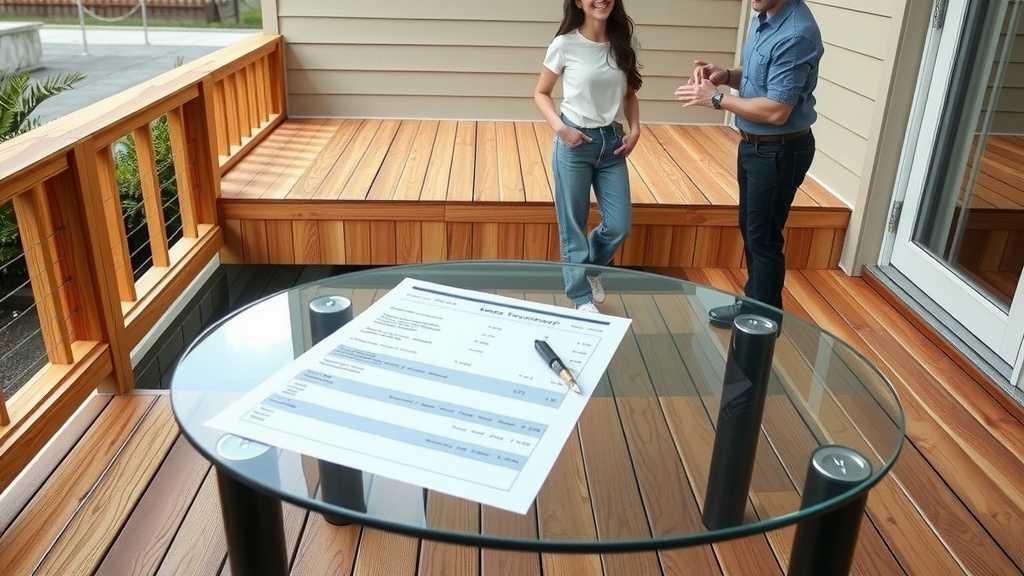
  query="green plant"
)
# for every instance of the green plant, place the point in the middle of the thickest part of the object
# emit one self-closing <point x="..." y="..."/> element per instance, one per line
<point x="20" y="96"/>
<point x="126" y="169"/>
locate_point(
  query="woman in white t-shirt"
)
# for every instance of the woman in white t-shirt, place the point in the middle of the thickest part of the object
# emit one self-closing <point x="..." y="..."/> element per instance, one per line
<point x="595" y="56"/>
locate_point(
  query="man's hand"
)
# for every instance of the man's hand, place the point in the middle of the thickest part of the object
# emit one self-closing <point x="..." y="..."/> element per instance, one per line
<point x="696" y="93"/>
<point x="708" y="71"/>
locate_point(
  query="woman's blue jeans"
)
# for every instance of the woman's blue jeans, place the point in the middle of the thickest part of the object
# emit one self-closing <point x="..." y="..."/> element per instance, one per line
<point x="768" y="175"/>
<point x="576" y="170"/>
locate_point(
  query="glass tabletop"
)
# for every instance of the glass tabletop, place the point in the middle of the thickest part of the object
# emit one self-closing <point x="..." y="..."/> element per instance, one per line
<point x="660" y="457"/>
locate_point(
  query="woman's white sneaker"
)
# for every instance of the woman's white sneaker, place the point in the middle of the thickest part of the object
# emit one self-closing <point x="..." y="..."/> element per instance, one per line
<point x="596" y="288"/>
<point x="588" y="307"/>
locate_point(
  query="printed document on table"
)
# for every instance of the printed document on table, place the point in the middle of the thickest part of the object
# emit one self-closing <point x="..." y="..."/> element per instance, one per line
<point x="440" y="387"/>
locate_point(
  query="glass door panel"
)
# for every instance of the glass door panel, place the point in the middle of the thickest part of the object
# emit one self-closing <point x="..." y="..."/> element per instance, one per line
<point x="961" y="237"/>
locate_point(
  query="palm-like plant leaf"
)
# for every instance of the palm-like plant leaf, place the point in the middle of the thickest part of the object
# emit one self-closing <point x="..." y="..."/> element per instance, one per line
<point x="20" y="96"/>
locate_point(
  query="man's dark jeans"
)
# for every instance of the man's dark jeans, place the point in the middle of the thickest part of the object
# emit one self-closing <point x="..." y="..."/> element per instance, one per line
<point x="769" y="174"/>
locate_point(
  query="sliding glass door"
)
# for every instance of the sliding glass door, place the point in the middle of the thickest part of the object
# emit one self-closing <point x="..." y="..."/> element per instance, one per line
<point x="959" y="236"/>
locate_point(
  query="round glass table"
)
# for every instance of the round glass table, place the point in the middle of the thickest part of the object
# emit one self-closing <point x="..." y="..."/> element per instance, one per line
<point x="693" y="435"/>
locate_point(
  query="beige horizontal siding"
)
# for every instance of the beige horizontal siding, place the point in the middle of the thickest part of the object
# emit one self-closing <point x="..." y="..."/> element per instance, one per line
<point x="477" y="60"/>
<point x="856" y="37"/>
<point x="1009" y="116"/>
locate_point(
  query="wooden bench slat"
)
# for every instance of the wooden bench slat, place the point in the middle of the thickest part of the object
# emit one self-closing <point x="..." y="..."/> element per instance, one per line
<point x="510" y="168"/>
<point x="313" y="181"/>
<point x="358" y="186"/>
<point x="716" y="183"/>
<point x="413" y="180"/>
<point x="536" y="185"/>
<point x="301" y="151"/>
<point x="386" y="180"/>
<point x="469" y="192"/>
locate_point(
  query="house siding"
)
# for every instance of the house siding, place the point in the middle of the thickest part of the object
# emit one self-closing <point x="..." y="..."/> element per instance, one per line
<point x="476" y="60"/>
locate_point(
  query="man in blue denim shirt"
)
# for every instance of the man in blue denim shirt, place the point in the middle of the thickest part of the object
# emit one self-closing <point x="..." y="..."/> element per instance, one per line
<point x="774" y="112"/>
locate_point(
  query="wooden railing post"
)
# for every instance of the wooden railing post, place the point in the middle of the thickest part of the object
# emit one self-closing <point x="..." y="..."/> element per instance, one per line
<point x="106" y="190"/>
<point x="152" y="199"/>
<point x="86" y="166"/>
<point x="36" y="226"/>
<point x="200" y="131"/>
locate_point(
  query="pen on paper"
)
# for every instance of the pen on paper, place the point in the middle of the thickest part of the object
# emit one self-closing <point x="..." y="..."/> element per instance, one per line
<point x="556" y="364"/>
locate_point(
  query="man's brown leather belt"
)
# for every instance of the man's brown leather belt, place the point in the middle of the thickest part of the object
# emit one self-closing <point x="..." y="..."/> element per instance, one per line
<point x="755" y="139"/>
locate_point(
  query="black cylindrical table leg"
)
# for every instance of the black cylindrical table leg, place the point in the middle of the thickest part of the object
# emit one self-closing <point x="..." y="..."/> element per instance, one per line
<point x="744" y="389"/>
<point x="342" y="486"/>
<point x="254" y="527"/>
<point x="339" y="484"/>
<point x="327" y="314"/>
<point x="824" y="544"/>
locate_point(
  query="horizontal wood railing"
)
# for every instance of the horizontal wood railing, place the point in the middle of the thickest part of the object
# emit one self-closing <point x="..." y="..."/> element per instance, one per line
<point x="61" y="180"/>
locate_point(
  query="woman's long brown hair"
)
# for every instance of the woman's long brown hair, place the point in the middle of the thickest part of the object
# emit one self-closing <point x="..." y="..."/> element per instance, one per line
<point x="620" y="35"/>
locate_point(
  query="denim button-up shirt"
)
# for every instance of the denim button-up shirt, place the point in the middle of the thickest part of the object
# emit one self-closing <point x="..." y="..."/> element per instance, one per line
<point x="780" y="62"/>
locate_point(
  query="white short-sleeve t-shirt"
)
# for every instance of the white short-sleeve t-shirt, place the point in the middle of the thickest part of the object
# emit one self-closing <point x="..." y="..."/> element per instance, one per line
<point x="592" y="86"/>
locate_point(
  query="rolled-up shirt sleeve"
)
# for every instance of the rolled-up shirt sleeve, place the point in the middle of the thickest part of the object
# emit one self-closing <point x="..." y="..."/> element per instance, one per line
<point x="793" y="61"/>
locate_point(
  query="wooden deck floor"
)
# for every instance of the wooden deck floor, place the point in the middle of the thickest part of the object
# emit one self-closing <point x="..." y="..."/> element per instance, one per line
<point x="355" y="191"/>
<point x="121" y="492"/>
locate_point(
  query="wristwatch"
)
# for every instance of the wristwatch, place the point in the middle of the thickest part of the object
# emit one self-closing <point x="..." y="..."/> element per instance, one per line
<point x="716" y="100"/>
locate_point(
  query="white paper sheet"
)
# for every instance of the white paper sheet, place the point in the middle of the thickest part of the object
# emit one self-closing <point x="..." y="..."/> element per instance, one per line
<point x="440" y="387"/>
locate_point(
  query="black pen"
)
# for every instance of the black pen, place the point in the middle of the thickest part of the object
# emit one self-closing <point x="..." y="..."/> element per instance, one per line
<point x="556" y="364"/>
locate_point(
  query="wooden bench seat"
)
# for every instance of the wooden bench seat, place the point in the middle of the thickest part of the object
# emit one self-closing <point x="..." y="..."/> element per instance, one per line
<point x="361" y="191"/>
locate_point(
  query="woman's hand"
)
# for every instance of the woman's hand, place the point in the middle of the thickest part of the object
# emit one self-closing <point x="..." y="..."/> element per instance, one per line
<point x="629" y="141"/>
<point x="572" y="137"/>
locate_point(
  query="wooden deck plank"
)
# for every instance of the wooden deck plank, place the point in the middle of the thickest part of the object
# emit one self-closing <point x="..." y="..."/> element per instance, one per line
<point x="386" y="553"/>
<point x="200" y="546"/>
<point x="40" y="523"/>
<point x="671" y="508"/>
<point x="326" y="549"/>
<point x="662" y="175"/>
<point x="152" y="526"/>
<point x="85" y="539"/>
<point x="19" y="492"/>
<point x="258" y="169"/>
<point x="454" y="514"/>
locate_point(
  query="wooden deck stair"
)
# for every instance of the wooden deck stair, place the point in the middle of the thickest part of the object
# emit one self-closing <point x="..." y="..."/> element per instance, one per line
<point x="360" y="191"/>
<point x="121" y="492"/>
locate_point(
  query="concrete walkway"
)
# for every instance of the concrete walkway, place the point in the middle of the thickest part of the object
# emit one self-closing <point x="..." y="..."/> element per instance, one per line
<point x="116" y="58"/>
